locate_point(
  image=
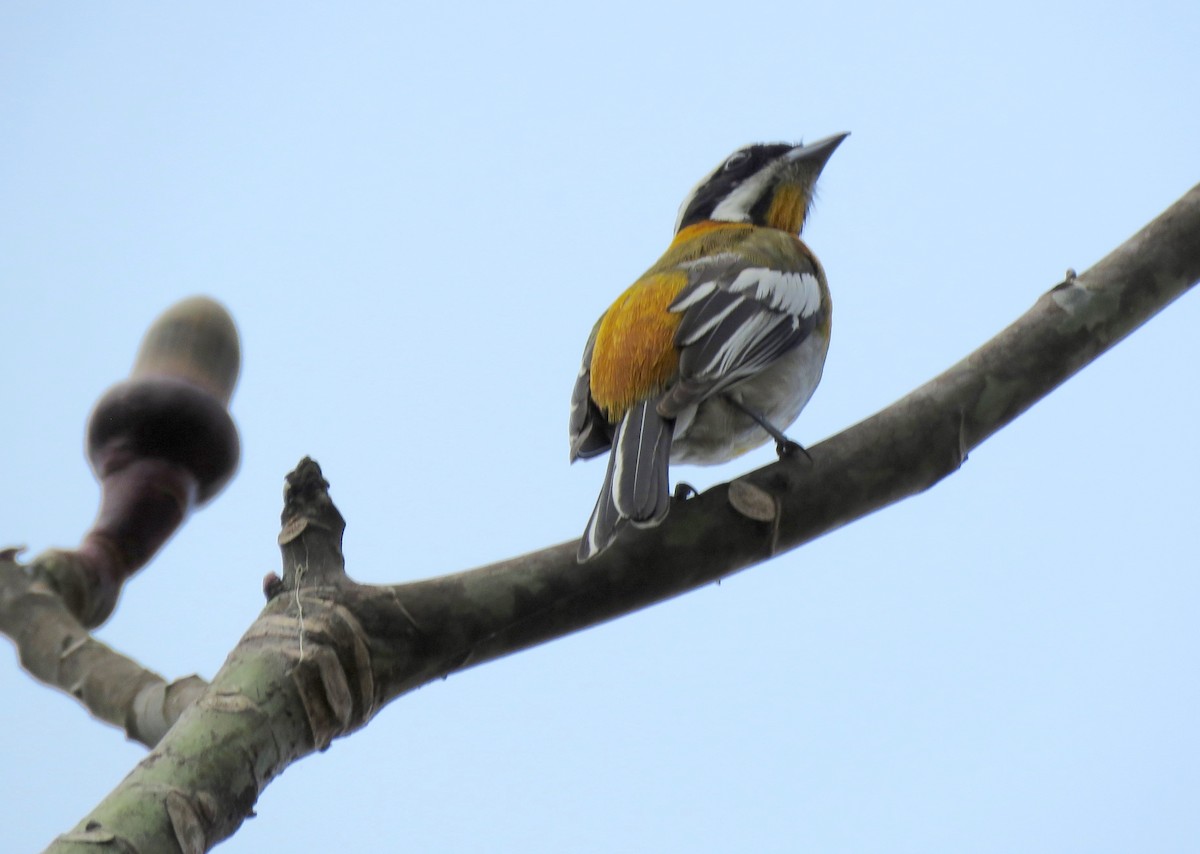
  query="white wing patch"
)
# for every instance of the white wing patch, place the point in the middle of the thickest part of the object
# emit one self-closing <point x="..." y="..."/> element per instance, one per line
<point x="797" y="294"/>
<point x="697" y="266"/>
<point x="700" y="292"/>
<point x="710" y="324"/>
<point x="743" y="338"/>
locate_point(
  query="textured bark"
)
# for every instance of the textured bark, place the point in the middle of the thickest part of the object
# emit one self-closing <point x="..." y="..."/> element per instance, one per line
<point x="328" y="653"/>
<point x="471" y="617"/>
<point x="56" y="648"/>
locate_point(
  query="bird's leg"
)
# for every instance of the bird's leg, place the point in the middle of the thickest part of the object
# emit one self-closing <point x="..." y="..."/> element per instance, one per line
<point x="784" y="446"/>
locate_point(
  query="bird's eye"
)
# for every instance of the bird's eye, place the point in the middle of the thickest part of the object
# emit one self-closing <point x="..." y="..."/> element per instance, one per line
<point x="738" y="158"/>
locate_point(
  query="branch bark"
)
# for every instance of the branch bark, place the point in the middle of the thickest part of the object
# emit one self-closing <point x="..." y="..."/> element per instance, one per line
<point x="328" y="653"/>
<point x="476" y="616"/>
<point x="57" y="649"/>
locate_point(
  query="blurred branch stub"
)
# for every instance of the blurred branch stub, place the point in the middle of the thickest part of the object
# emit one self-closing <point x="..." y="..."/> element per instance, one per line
<point x="162" y="443"/>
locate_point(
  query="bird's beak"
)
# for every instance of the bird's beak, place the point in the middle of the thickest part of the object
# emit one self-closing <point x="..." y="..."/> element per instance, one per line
<point x="800" y="168"/>
<point x="816" y="153"/>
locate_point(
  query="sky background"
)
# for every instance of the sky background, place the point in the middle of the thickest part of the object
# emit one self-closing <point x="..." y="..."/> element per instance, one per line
<point x="415" y="212"/>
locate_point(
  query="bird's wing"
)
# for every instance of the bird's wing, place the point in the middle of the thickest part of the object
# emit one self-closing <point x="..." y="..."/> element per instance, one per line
<point x="590" y="432"/>
<point x="737" y="319"/>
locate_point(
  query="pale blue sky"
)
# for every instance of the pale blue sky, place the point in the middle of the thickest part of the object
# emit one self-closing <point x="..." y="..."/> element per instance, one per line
<point x="415" y="214"/>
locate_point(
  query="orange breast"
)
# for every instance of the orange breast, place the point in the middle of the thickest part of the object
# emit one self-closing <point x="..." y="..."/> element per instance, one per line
<point x="635" y="353"/>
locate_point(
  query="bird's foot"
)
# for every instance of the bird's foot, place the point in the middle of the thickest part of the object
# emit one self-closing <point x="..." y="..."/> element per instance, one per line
<point x="785" y="448"/>
<point x="684" y="491"/>
<point x="789" y="450"/>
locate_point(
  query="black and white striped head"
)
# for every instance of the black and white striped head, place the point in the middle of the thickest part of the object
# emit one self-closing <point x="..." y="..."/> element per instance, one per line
<point x="762" y="184"/>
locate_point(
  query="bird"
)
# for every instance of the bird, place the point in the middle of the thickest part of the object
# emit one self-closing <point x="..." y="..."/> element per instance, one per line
<point x="716" y="348"/>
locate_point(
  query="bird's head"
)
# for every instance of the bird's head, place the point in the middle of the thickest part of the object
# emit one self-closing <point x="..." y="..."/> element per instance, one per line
<point x="767" y="184"/>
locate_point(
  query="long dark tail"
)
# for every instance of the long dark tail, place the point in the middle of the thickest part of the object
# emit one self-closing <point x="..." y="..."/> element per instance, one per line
<point x="636" y="487"/>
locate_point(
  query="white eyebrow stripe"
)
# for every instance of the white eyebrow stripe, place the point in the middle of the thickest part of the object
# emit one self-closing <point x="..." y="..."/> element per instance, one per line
<point x="736" y="206"/>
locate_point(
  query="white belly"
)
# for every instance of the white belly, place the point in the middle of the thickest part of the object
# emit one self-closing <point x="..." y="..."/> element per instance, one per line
<point x="714" y="431"/>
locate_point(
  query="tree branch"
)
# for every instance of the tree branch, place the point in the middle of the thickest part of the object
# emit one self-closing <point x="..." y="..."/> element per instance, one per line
<point x="472" y="617"/>
<point x="59" y="651"/>
<point x="327" y="653"/>
<point x="161" y="443"/>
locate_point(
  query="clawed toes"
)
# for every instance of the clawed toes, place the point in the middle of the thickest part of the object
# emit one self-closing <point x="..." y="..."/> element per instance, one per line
<point x="790" y="450"/>
<point x="684" y="491"/>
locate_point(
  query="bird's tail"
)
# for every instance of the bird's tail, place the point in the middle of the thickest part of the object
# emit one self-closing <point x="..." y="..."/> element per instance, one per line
<point x="636" y="486"/>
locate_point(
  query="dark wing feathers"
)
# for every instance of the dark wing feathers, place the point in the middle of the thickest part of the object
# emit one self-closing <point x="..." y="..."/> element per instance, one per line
<point x="736" y="320"/>
<point x="590" y="432"/>
<point x="720" y="352"/>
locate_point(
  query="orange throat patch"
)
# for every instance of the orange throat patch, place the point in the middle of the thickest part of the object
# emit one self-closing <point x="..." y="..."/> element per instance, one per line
<point x="788" y="209"/>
